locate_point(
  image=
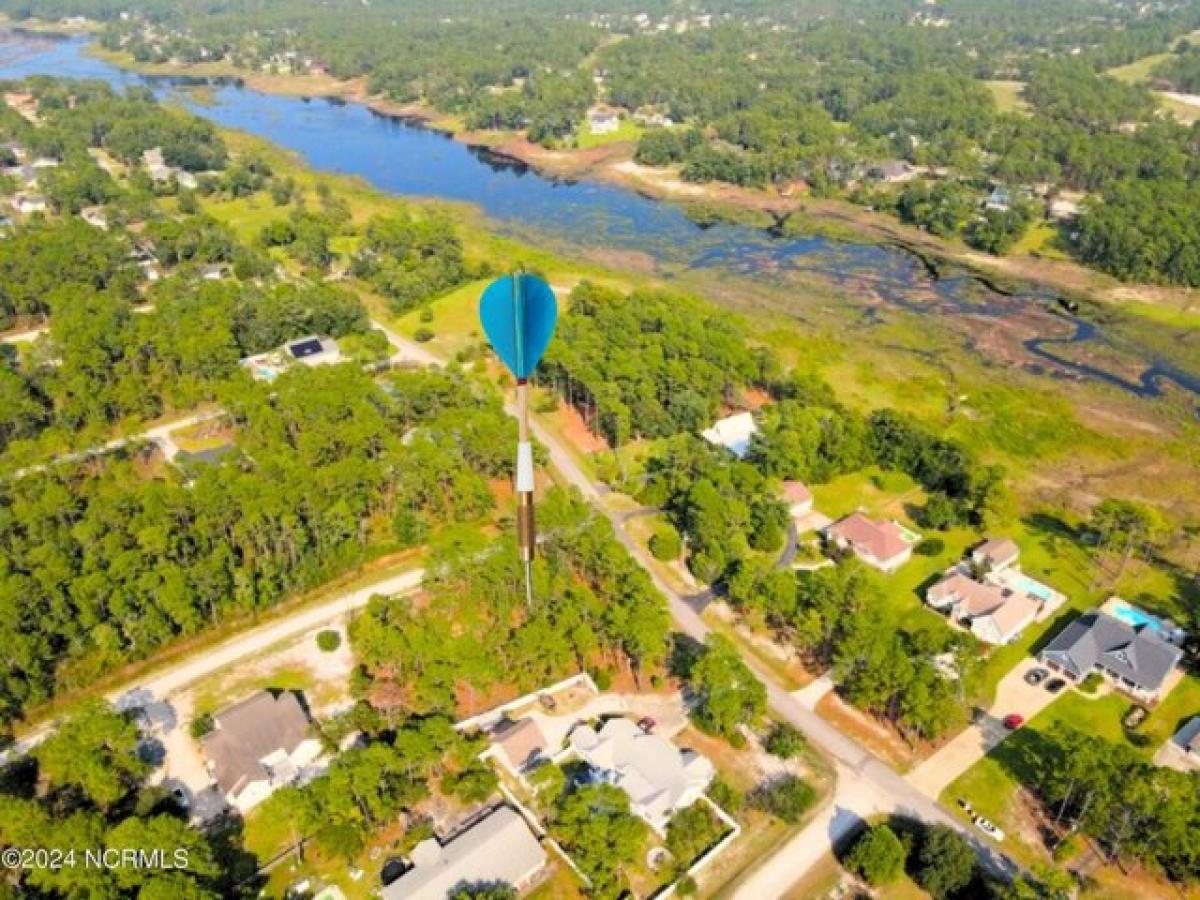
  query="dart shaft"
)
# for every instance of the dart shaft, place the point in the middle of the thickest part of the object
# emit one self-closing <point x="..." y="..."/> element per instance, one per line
<point x="526" y="534"/>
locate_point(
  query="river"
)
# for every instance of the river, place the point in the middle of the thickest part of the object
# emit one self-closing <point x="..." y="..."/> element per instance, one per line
<point x="403" y="158"/>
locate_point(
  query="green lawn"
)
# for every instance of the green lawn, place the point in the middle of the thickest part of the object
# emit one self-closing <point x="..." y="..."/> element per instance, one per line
<point x="627" y="130"/>
<point x="992" y="784"/>
<point x="1042" y="239"/>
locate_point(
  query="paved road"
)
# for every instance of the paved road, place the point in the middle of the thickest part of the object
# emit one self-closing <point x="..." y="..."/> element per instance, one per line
<point x="162" y="684"/>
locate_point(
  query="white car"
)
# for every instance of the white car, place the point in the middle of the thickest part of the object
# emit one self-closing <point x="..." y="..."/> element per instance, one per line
<point x="986" y="826"/>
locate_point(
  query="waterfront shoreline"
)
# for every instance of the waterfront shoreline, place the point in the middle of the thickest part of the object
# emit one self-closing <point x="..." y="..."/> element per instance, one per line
<point x="612" y="164"/>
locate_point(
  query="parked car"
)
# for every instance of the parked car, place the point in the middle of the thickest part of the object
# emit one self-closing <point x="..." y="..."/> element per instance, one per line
<point x="989" y="828"/>
<point x="1013" y="721"/>
<point x="1035" y="676"/>
<point x="1054" y="685"/>
<point x="647" y="724"/>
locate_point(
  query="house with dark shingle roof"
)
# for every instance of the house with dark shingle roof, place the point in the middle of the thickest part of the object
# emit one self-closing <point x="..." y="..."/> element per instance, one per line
<point x="259" y="745"/>
<point x="1135" y="660"/>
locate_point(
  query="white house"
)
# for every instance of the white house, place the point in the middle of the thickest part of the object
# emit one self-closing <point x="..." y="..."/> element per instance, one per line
<point x="659" y="778"/>
<point x="603" y="121"/>
<point x="29" y="203"/>
<point x="733" y="433"/>
<point x="498" y="849"/>
<point x="94" y="216"/>
<point x="259" y="745"/>
<point x="884" y="545"/>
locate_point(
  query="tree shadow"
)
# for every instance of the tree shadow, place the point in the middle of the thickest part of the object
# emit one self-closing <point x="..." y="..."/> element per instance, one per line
<point x="685" y="651"/>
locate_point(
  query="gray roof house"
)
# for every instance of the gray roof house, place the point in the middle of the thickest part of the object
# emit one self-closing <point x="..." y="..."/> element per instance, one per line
<point x="498" y="849"/>
<point x="1135" y="660"/>
<point x="258" y="745"/>
<point x="1187" y="738"/>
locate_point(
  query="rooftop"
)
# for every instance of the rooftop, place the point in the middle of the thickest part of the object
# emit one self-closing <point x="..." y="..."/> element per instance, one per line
<point x="1139" y="654"/>
<point x="733" y="433"/>
<point x="977" y="599"/>
<point x="498" y="848"/>
<point x="521" y="741"/>
<point x="655" y="773"/>
<point x="996" y="551"/>
<point x="882" y="540"/>
<point x="796" y="492"/>
<point x="247" y="732"/>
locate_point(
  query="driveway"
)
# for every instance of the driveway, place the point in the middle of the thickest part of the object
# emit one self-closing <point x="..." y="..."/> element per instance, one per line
<point x="1013" y="695"/>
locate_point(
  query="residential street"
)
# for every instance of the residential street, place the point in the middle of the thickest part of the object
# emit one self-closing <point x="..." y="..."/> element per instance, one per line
<point x="856" y="799"/>
<point x="890" y="790"/>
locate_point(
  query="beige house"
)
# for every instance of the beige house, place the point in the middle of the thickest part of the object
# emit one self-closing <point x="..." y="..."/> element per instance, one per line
<point x="258" y="746"/>
<point x="994" y="615"/>
<point x="798" y="498"/>
<point x="521" y="745"/>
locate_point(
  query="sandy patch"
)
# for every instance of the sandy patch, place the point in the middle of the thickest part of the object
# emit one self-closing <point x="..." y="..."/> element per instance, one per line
<point x="572" y="426"/>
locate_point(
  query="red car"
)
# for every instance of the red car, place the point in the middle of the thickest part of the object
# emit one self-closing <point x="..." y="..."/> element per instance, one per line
<point x="647" y="724"/>
<point x="1013" y="721"/>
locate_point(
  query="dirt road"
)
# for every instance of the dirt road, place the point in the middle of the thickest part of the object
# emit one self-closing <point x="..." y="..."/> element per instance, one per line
<point x="162" y="684"/>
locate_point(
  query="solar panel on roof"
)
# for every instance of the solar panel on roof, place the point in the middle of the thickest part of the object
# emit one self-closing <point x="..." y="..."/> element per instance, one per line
<point x="301" y="349"/>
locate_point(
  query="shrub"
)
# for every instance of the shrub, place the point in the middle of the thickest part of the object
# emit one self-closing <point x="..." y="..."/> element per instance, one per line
<point x="426" y="314"/>
<point x="328" y="640"/>
<point x="726" y="796"/>
<point x="930" y="547"/>
<point x="788" y="798"/>
<point x="1092" y="683"/>
<point x="423" y="334"/>
<point x="201" y="725"/>
<point x="691" y="831"/>
<point x="784" y="741"/>
<point x="666" y="544"/>
<point x="603" y="679"/>
<point x="878" y="856"/>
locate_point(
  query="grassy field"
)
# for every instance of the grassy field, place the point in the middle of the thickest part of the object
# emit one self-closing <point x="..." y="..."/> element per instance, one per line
<point x="1007" y="95"/>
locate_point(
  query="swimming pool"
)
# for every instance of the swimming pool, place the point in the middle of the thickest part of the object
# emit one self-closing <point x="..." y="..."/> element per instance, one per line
<point x="1136" y="618"/>
<point x="1033" y="588"/>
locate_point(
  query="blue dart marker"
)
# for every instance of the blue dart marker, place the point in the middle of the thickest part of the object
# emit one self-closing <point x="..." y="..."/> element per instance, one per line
<point x="518" y="313"/>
